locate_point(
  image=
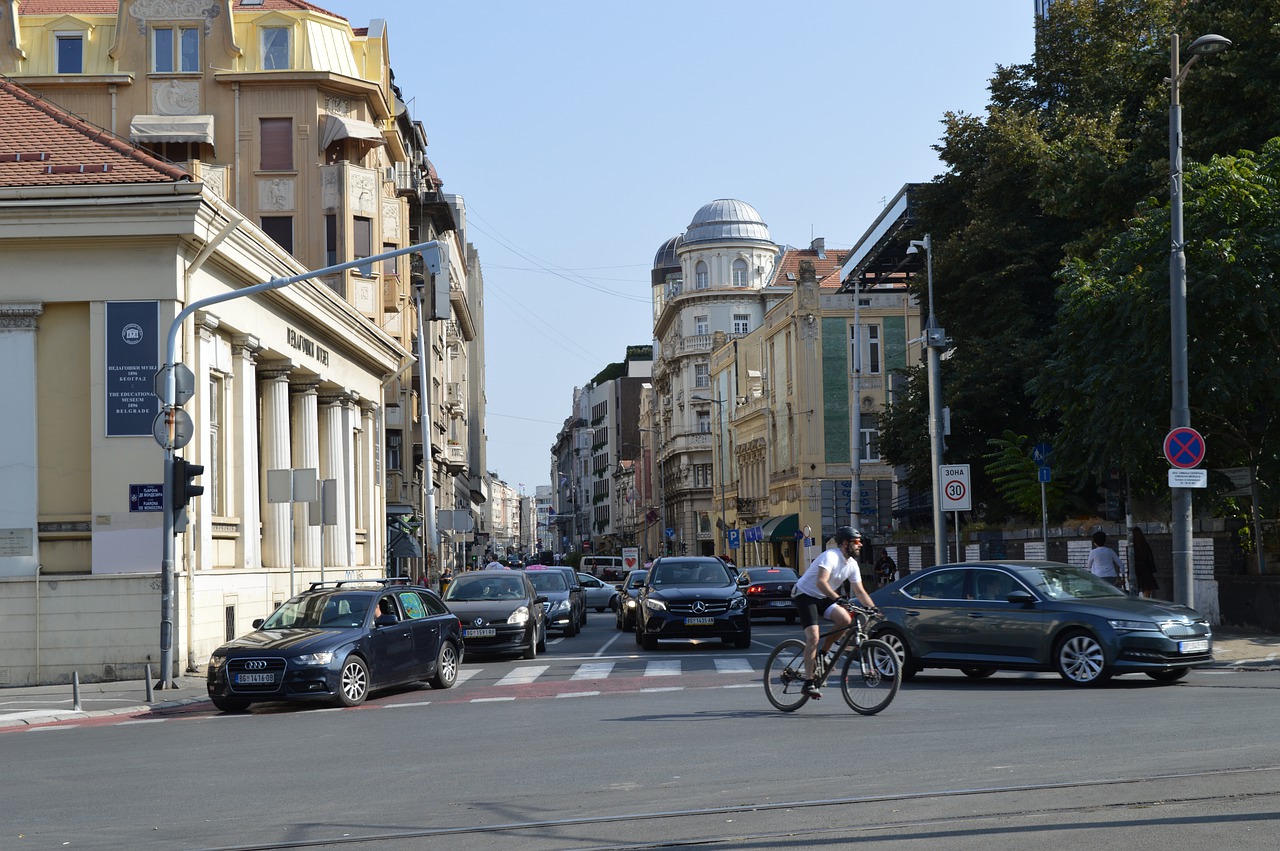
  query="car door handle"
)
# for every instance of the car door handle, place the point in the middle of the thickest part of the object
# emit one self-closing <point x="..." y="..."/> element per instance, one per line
<point x="911" y="614"/>
<point x="976" y="614"/>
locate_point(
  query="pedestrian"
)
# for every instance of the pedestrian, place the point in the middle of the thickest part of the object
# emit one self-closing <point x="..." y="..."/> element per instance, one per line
<point x="886" y="569"/>
<point x="1144" y="563"/>
<point x="1103" y="561"/>
<point x="494" y="564"/>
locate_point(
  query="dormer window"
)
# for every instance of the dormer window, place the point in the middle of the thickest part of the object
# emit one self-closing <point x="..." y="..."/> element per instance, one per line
<point x="70" y="52"/>
<point x="175" y="49"/>
<point x="275" y="48"/>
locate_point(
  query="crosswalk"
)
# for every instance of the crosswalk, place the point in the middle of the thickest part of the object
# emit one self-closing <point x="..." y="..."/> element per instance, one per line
<point x="595" y="671"/>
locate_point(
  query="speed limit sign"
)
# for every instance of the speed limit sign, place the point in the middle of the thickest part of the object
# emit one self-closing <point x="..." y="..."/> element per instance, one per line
<point x="955" y="487"/>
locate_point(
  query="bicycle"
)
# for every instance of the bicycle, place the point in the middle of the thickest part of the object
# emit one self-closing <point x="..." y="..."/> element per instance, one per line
<point x="868" y="686"/>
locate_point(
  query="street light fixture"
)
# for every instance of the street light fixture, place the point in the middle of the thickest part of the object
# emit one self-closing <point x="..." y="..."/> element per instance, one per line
<point x="1180" y="410"/>
<point x="935" y="340"/>
<point x="724" y="543"/>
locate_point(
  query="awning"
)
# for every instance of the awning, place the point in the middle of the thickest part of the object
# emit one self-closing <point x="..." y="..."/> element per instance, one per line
<point x="782" y="528"/>
<point x="403" y="546"/>
<point x="172" y="128"/>
<point x="337" y="127"/>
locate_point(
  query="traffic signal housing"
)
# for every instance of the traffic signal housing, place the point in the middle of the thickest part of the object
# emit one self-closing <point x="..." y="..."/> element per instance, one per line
<point x="184" y="489"/>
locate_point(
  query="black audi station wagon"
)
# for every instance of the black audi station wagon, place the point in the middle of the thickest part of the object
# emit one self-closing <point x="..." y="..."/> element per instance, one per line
<point x="338" y="641"/>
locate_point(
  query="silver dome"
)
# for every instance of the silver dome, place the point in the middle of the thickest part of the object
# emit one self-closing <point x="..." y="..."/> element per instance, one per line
<point x="666" y="257"/>
<point x="727" y="220"/>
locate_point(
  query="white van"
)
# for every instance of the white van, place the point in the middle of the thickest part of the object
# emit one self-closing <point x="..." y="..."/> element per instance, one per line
<point x="608" y="568"/>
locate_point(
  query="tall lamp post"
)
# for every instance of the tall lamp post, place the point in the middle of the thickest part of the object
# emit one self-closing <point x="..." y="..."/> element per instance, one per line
<point x="935" y="340"/>
<point x="719" y="403"/>
<point x="1180" y="411"/>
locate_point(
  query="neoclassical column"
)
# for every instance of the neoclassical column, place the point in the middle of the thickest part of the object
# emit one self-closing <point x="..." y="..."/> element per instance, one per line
<point x="335" y="457"/>
<point x="243" y="448"/>
<point x="306" y="456"/>
<point x="201" y="449"/>
<point x="19" y="478"/>
<point x="277" y="533"/>
<point x="371" y="514"/>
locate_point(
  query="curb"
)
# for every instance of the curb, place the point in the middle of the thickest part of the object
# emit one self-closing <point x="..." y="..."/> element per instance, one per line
<point x="37" y="717"/>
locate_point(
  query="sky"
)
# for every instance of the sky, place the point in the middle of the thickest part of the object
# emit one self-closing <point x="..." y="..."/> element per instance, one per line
<point x="583" y="135"/>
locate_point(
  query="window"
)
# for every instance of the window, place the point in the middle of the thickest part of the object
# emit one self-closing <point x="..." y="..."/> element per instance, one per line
<point x="275" y="48"/>
<point x="175" y="50"/>
<point x="869" y="443"/>
<point x="389" y="264"/>
<point x="702" y="475"/>
<point x="395" y="440"/>
<point x="701" y="375"/>
<point x="331" y="240"/>
<point x="701" y="325"/>
<point x="741" y="323"/>
<point x="363" y="238"/>
<point x="213" y="472"/>
<point x="701" y="279"/>
<point x="279" y="228"/>
<point x="70" y="52"/>
<point x="739" y="272"/>
<point x="869" y="358"/>
<point x="276" y="140"/>
<point x="704" y="422"/>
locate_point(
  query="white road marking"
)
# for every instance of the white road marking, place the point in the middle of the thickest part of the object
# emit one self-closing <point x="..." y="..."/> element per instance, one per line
<point x="593" y="671"/>
<point x="578" y="694"/>
<point x="668" y="688"/>
<point x="400" y="705"/>
<point x="732" y="666"/>
<point x="523" y="676"/>
<point x="464" y="675"/>
<point x="663" y="668"/>
<point x="491" y="699"/>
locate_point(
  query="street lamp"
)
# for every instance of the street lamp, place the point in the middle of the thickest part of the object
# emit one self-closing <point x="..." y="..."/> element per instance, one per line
<point x="935" y="340"/>
<point x="724" y="544"/>
<point x="1180" y="410"/>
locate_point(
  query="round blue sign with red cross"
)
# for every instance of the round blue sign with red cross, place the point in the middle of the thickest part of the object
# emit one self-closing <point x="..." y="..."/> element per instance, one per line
<point x="1184" y="447"/>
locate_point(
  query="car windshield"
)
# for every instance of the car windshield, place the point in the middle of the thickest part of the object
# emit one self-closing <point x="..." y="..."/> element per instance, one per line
<point x="1067" y="583"/>
<point x="636" y="580"/>
<point x="771" y="574"/>
<point x="686" y="573"/>
<point x="322" y="611"/>
<point x="546" y="581"/>
<point x="469" y="589"/>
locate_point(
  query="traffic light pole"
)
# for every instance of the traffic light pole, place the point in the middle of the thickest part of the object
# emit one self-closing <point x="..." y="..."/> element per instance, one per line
<point x="167" y="578"/>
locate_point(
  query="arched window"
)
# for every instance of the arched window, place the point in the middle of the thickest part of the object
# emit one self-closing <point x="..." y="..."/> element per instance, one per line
<point x="739" y="272"/>
<point x="701" y="279"/>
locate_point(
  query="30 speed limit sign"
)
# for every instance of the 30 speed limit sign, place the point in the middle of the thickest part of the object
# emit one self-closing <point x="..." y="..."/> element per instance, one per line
<point x="955" y="487"/>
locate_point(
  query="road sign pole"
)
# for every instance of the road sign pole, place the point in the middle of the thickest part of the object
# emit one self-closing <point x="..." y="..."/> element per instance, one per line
<point x="1044" y="520"/>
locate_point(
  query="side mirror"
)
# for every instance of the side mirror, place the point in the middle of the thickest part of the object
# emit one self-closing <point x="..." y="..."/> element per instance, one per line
<point x="386" y="620"/>
<point x="744" y="580"/>
<point x="1024" y="598"/>
<point x="540" y="599"/>
<point x="258" y="622"/>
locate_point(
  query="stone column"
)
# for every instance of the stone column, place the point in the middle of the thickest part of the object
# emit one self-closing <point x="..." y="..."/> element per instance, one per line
<point x="372" y="509"/>
<point x="277" y="534"/>
<point x="306" y="455"/>
<point x="201" y="449"/>
<point x="243" y="487"/>
<point x="334" y="464"/>
<point x="19" y="479"/>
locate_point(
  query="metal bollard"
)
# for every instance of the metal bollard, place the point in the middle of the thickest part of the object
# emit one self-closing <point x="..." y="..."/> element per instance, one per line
<point x="150" y="694"/>
<point x="75" y="691"/>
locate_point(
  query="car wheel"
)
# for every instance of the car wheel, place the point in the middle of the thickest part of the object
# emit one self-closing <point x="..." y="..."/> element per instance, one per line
<point x="446" y="666"/>
<point x="742" y="641"/>
<point x="230" y="704"/>
<point x="531" y="652"/>
<point x="613" y="603"/>
<point x="1170" y="676"/>
<point x="542" y="642"/>
<point x="639" y="631"/>
<point x="649" y="642"/>
<point x="353" y="683"/>
<point x="1081" y="660"/>
<point x="899" y="645"/>
<point x="977" y="673"/>
<point x="618" y="620"/>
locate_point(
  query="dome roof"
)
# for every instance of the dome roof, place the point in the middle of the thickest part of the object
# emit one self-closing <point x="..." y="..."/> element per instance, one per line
<point x="727" y="220"/>
<point x="666" y="257"/>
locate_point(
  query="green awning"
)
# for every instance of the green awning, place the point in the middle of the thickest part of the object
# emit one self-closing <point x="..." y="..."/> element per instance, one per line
<point x="782" y="528"/>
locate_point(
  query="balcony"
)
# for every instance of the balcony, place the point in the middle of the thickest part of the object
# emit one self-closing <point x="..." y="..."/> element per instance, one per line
<point x="455" y="458"/>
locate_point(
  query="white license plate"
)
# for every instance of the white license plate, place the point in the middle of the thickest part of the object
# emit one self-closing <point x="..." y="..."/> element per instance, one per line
<point x="779" y="603"/>
<point x="245" y="679"/>
<point x="1199" y="646"/>
<point x="479" y="633"/>
<point x="699" y="621"/>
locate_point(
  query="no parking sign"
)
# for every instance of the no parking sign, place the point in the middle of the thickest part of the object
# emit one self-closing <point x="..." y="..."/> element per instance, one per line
<point x="956" y="494"/>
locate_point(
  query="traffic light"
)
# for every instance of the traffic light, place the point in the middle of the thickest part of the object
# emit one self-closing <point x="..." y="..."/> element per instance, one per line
<point x="184" y="489"/>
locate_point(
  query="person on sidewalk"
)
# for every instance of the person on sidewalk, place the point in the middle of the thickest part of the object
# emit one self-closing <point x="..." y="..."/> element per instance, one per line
<point x="1144" y="564"/>
<point x="1103" y="561"/>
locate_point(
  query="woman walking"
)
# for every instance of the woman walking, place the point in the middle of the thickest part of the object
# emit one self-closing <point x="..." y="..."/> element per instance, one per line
<point x="1144" y="563"/>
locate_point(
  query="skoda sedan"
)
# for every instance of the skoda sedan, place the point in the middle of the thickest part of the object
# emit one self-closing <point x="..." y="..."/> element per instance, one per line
<point x="985" y="617"/>
<point x="691" y="597"/>
<point x="337" y="642"/>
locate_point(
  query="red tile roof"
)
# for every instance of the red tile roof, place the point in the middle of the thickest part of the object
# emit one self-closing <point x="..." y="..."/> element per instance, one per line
<point x="44" y="145"/>
<point x="110" y="7"/>
<point x="827" y="268"/>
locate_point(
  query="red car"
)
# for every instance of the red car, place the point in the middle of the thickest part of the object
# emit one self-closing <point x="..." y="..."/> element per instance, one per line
<point x="768" y="591"/>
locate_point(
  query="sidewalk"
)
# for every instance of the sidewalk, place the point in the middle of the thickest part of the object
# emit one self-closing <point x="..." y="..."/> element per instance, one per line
<point x="1233" y="649"/>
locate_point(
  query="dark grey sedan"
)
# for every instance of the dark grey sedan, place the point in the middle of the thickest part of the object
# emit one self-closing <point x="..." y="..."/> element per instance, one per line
<point x="983" y="617"/>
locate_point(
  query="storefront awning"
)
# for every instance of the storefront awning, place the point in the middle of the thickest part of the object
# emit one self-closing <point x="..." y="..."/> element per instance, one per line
<point x="172" y="128"/>
<point x="782" y="528"/>
<point x="403" y="546"/>
<point x="338" y="127"/>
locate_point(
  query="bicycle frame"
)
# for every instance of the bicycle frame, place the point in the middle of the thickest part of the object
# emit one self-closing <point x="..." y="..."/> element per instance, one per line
<point x="851" y="637"/>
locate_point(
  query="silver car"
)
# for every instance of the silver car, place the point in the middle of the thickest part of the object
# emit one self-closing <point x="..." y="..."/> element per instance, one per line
<point x="599" y="596"/>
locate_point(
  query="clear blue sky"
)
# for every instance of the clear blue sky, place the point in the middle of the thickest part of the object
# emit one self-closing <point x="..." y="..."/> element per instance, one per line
<point x="583" y="135"/>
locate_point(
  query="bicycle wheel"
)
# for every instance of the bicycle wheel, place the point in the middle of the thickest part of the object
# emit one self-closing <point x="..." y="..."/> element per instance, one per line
<point x="784" y="676"/>
<point x="870" y="677"/>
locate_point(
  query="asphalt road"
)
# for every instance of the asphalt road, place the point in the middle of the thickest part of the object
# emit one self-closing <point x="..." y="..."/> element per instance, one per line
<point x="687" y="753"/>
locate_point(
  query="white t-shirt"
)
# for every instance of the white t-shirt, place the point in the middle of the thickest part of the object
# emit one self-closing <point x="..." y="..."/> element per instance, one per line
<point x="838" y="568"/>
<point x="495" y="565"/>
<point x="1104" y="562"/>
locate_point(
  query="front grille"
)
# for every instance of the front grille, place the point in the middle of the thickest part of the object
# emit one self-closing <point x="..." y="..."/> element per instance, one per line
<point x="1178" y="629"/>
<point x="685" y="607"/>
<point x="274" y="666"/>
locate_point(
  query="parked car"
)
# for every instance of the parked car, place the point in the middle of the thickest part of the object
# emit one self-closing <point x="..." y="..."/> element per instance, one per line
<point x="768" y="591"/>
<point x="499" y="610"/>
<point x="598" y="595"/>
<point x="558" y="606"/>
<point x="691" y="597"/>
<point x="338" y="641"/>
<point x="982" y="617"/>
<point x="576" y="595"/>
<point x="628" y="591"/>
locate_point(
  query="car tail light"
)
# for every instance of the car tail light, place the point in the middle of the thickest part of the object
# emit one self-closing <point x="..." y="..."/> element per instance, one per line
<point x="756" y="589"/>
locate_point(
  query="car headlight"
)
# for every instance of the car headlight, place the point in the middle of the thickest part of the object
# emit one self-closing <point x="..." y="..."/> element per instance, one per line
<point x="562" y="606"/>
<point x="1134" y="626"/>
<point x="519" y="617"/>
<point x="216" y="662"/>
<point x="631" y="602"/>
<point x="737" y="603"/>
<point x="655" y="605"/>
<point x="313" y="658"/>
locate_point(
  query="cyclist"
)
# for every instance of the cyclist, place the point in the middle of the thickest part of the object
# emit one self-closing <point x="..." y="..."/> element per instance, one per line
<point x="815" y="593"/>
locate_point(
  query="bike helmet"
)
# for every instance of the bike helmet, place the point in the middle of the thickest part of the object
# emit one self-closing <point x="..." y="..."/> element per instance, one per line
<point x="847" y="533"/>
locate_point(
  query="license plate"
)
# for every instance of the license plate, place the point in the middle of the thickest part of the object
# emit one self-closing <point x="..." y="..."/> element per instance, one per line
<point x="479" y="633"/>
<point x="1199" y="646"/>
<point x="699" y="621"/>
<point x="779" y="603"/>
<point x="245" y="679"/>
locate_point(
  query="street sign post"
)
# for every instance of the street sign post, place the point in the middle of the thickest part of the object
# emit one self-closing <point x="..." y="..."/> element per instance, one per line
<point x="955" y="487"/>
<point x="1184" y="447"/>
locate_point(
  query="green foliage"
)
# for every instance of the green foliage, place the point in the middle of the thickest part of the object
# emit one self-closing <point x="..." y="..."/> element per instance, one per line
<point x="1015" y="474"/>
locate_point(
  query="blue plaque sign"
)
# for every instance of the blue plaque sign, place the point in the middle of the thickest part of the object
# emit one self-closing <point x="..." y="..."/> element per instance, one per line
<point x="133" y="355"/>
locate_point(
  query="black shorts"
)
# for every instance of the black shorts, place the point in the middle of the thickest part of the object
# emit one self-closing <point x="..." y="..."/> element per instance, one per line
<point x="811" y="609"/>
